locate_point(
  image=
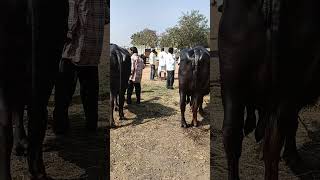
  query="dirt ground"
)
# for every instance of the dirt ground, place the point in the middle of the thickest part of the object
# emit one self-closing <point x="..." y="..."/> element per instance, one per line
<point x="78" y="155"/>
<point x="150" y="144"/>
<point x="251" y="167"/>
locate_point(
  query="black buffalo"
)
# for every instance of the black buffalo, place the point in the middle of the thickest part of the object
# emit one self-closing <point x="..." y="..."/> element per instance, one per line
<point x="269" y="61"/>
<point x="120" y="70"/>
<point x="194" y="80"/>
<point x="32" y="38"/>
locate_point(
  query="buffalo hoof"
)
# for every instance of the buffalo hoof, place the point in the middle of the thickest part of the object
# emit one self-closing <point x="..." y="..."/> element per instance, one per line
<point x="121" y="116"/>
<point x="184" y="125"/>
<point x="195" y="124"/>
<point x="21" y="147"/>
<point x="113" y="125"/>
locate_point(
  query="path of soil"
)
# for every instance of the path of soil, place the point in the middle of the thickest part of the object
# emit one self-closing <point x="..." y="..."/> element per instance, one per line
<point x="150" y="144"/>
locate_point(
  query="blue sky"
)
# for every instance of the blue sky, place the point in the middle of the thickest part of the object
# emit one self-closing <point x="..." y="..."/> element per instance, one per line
<point x="130" y="16"/>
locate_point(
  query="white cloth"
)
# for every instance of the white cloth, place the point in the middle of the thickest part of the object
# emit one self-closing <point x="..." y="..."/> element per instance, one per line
<point x="152" y="58"/>
<point x="170" y="62"/>
<point x="162" y="58"/>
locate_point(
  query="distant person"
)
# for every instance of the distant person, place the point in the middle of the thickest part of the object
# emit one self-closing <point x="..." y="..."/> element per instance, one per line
<point x="137" y="66"/>
<point x="156" y="65"/>
<point x="162" y="63"/>
<point x="152" y="61"/>
<point x="170" y="66"/>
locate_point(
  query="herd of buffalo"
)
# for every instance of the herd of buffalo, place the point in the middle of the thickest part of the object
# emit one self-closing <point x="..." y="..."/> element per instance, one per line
<point x="269" y="54"/>
<point x="194" y="71"/>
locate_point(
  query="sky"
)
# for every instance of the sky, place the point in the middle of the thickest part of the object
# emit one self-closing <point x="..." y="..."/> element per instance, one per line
<point x="130" y="16"/>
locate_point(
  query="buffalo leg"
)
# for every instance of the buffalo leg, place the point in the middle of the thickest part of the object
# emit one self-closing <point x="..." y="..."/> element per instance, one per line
<point x="201" y="112"/>
<point x="274" y="140"/>
<point x="121" y="104"/>
<point x="38" y="117"/>
<point x="36" y="128"/>
<point x="195" y="106"/>
<point x="6" y="139"/>
<point x="290" y="154"/>
<point x="112" y="99"/>
<point x="232" y="133"/>
<point x="64" y="89"/>
<point x="20" y="138"/>
<point x="250" y="123"/>
<point x="183" y="109"/>
<point x="116" y="103"/>
<point x="191" y="103"/>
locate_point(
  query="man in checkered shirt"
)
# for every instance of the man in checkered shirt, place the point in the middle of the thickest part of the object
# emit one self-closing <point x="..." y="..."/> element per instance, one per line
<point x="80" y="60"/>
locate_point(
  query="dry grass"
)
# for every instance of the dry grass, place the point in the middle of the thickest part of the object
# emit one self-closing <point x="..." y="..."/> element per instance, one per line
<point x="151" y="145"/>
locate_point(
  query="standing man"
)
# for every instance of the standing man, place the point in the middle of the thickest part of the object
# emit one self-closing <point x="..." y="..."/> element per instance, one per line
<point x="152" y="61"/>
<point x="137" y="66"/>
<point x="170" y="65"/>
<point x="162" y="62"/>
<point x="80" y="60"/>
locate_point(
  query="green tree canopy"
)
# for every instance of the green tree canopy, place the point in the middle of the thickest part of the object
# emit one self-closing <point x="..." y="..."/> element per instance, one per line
<point x="192" y="30"/>
<point x="146" y="37"/>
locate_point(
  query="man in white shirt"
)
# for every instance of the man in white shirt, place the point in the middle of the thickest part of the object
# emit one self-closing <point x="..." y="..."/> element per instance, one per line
<point x="152" y="61"/>
<point x="170" y="66"/>
<point x="162" y="63"/>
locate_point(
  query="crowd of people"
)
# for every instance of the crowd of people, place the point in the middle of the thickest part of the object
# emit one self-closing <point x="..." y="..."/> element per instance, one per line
<point x="162" y="66"/>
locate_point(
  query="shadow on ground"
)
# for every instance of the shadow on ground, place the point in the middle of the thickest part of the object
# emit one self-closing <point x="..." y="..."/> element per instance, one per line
<point x="87" y="150"/>
<point x="309" y="167"/>
<point x="147" y="110"/>
<point x="206" y="116"/>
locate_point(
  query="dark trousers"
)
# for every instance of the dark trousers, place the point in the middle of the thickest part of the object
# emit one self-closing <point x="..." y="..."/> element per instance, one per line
<point x="131" y="86"/>
<point x="152" y="72"/>
<point x="170" y="79"/>
<point x="65" y="87"/>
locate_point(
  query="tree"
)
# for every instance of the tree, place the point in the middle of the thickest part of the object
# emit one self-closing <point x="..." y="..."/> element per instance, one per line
<point x="192" y="30"/>
<point x="146" y="37"/>
<point x="170" y="38"/>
